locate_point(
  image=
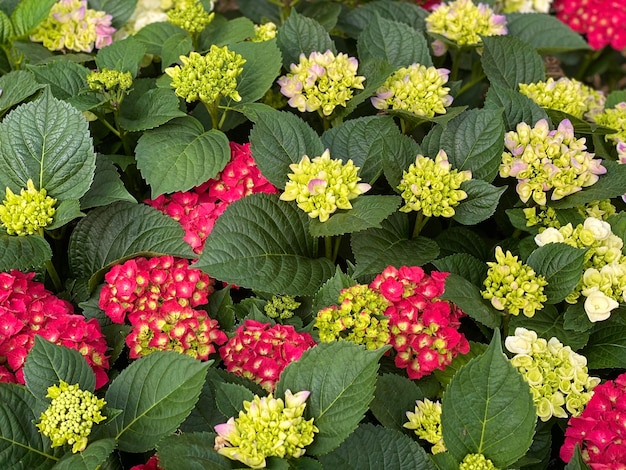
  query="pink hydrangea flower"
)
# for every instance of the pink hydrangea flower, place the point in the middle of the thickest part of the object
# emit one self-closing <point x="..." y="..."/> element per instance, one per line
<point x="603" y="21"/>
<point x="151" y="464"/>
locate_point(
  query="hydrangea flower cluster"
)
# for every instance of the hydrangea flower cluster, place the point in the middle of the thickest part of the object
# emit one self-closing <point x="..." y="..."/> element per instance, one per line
<point x="464" y="22"/>
<point x="70" y="416"/>
<point x="417" y="89"/>
<point x="614" y="118"/>
<point x="151" y="464"/>
<point x="321" y="186"/>
<point x="565" y="94"/>
<point x="526" y="6"/>
<point x="425" y="421"/>
<point x="599" y="430"/>
<point x="602" y="21"/>
<point x="424" y="329"/>
<point x="321" y="82"/>
<point x="557" y="376"/>
<point x="28" y="309"/>
<point x="513" y="286"/>
<point x="281" y="307"/>
<point x="207" y="77"/>
<point x="545" y="216"/>
<point x="432" y="186"/>
<point x="267" y="427"/>
<point x="476" y="462"/>
<point x="72" y="26"/>
<point x="198" y="209"/>
<point x="107" y="80"/>
<point x="543" y="160"/>
<point x="147" y="12"/>
<point x="28" y="212"/>
<point x="358" y="318"/>
<point x="260" y="352"/>
<point x="190" y="15"/>
<point x="264" y="32"/>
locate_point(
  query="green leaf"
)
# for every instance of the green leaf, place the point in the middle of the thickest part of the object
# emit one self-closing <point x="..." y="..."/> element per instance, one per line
<point x="68" y="210"/>
<point x="581" y="126"/>
<point x="398" y="154"/>
<point x="279" y="139"/>
<point x="396" y="42"/>
<point x="16" y="86"/>
<point x="229" y="398"/>
<point x="575" y="318"/>
<point x="65" y="79"/>
<point x="123" y="56"/>
<point x="120" y="10"/>
<point x="330" y="290"/>
<point x="481" y="203"/>
<point x="358" y="18"/>
<point x="517" y="107"/>
<point x="577" y="462"/>
<point x="302" y="35"/>
<point x="615" y="97"/>
<point x="545" y="33"/>
<point x="23" y="253"/>
<point x="147" y="107"/>
<point x="392" y="413"/>
<point x="154" y="36"/>
<point x="205" y="414"/>
<point x="107" y="187"/>
<point x="180" y="44"/>
<point x="260" y="242"/>
<point x="325" y="13"/>
<point x="6" y="28"/>
<point x="21" y="444"/>
<point x="376" y="248"/>
<point x="120" y="230"/>
<point x="465" y="265"/>
<point x="222" y="32"/>
<point x="618" y="225"/>
<point x="28" y="14"/>
<point x="463" y="240"/>
<point x="156" y="393"/>
<point x="367" y="212"/>
<point x="508" y="61"/>
<point x="374" y="447"/>
<point x="181" y="155"/>
<point x="466" y="296"/>
<point x="446" y="375"/>
<point x="47" y="141"/>
<point x="341" y="377"/>
<point x="606" y="348"/>
<point x="195" y="449"/>
<point x="488" y="409"/>
<point x="91" y="458"/>
<point x="561" y="265"/>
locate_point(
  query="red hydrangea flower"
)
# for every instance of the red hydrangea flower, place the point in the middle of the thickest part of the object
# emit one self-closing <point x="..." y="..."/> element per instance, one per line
<point x="28" y="309"/>
<point x="424" y="328"/>
<point x="260" y="351"/>
<point x="603" y="21"/>
<point x="151" y="464"/>
<point x="198" y="209"/>
<point x="428" y="4"/>
<point x="600" y="430"/>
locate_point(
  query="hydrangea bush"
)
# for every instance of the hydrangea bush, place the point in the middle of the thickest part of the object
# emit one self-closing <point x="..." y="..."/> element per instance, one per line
<point x="312" y="234"/>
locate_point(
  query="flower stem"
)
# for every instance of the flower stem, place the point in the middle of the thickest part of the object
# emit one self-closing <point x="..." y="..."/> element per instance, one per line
<point x="420" y="222"/>
<point x="214" y="113"/>
<point x="328" y="247"/>
<point x="54" y="276"/>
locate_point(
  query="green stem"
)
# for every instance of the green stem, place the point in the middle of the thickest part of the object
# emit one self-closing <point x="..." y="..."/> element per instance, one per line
<point x="214" y="113"/>
<point x="121" y="133"/>
<point x="420" y="222"/>
<point x="505" y="325"/>
<point x="336" y="248"/>
<point x="107" y="124"/>
<point x="470" y="84"/>
<point x="54" y="276"/>
<point x="328" y="247"/>
<point x="456" y="60"/>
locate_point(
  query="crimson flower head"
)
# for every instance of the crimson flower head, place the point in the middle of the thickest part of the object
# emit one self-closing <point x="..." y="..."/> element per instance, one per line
<point x="602" y="21"/>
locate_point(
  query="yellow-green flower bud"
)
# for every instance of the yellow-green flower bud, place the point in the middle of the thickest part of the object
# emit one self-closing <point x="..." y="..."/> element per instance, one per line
<point x="26" y="213"/>
<point x="264" y="32"/>
<point x="70" y="416"/>
<point x="425" y="421"/>
<point x="544" y="216"/>
<point x="190" y="15"/>
<point x="108" y="80"/>
<point x="281" y="307"/>
<point x="476" y="462"/>
<point x="615" y="118"/>
<point x="432" y="186"/>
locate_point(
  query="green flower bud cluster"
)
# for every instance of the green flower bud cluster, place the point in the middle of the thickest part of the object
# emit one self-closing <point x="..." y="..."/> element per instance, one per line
<point x="107" y="80"/>
<point x="615" y="118"/>
<point x="565" y="94"/>
<point x="264" y="32"/>
<point x="557" y="376"/>
<point x="513" y="286"/>
<point x="432" y="186"/>
<point x="70" y="416"/>
<point x="27" y="213"/>
<point x="546" y="216"/>
<point x="321" y="82"/>
<point x="602" y="209"/>
<point x="464" y="22"/>
<point x="267" y="427"/>
<point x="190" y="15"/>
<point x="476" y="462"/>
<point x="358" y="318"/>
<point x="544" y="160"/>
<point x="417" y="89"/>
<point x="207" y="77"/>
<point x="281" y="307"/>
<point x="425" y="421"/>
<point x="321" y="186"/>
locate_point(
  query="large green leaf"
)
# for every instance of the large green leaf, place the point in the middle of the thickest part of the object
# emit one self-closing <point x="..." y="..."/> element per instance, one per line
<point x="107" y="186"/>
<point x="302" y="35"/>
<point x="397" y="43"/>
<point x="155" y="394"/>
<point x="65" y="78"/>
<point x="325" y="13"/>
<point x="195" y="449"/>
<point x="175" y="46"/>
<point x="341" y="377"/>
<point x="48" y="141"/>
<point x="463" y="240"/>
<point x="374" y="448"/>
<point x="329" y="292"/>
<point x="392" y="413"/>
<point x="154" y="36"/>
<point x="16" y="86"/>
<point x="488" y="409"/>
<point x="120" y="10"/>
<point x="123" y="56"/>
<point x="262" y="243"/>
<point x="465" y="265"/>
<point x="147" y="107"/>
<point x="466" y="295"/>
<point x="607" y="345"/>
<point x="48" y="363"/>
<point x="28" y="14"/>
<point x="120" y="230"/>
<point x="398" y="154"/>
<point x="222" y="31"/>
<point x="91" y="458"/>
<point x="517" y="107"/>
<point x="23" y="253"/>
<point x="545" y="33"/>
<point x="445" y="376"/>
<point x="181" y="155"/>
<point x="229" y="398"/>
<point x="508" y="61"/>
<point x="6" y="28"/>
<point x="482" y="200"/>
<point x="376" y="248"/>
<point x="357" y="19"/>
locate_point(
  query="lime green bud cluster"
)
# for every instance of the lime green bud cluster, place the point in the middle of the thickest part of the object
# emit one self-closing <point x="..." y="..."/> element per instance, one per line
<point x="267" y="427"/>
<point x="321" y="82"/>
<point x="513" y="286"/>
<point x="264" y="32"/>
<point x="615" y="118"/>
<point x="476" y="462"/>
<point x="543" y="216"/>
<point x="425" y="421"/>
<point x="565" y="94"/>
<point x="602" y="209"/>
<point x="557" y="375"/>
<point x="27" y="213"/>
<point x="70" y="416"/>
<point x="417" y="89"/>
<point x="432" y="186"/>
<point x="207" y="77"/>
<point x="281" y="307"/>
<point x="108" y="80"/>
<point x="464" y="22"/>
<point x="321" y="186"/>
<point x="190" y="15"/>
<point x="358" y="318"/>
